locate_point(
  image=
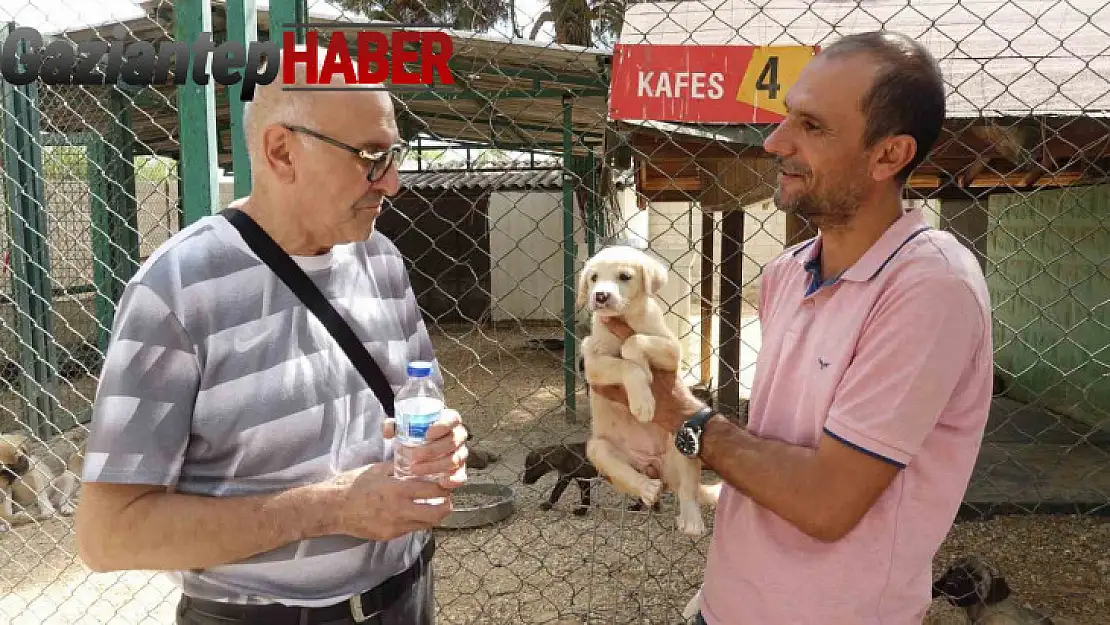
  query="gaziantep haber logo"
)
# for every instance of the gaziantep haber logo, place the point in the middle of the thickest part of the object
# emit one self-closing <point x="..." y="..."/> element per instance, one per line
<point x="378" y="57"/>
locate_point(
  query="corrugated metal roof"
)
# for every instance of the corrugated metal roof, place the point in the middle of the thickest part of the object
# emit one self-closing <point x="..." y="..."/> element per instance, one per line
<point x="999" y="57"/>
<point x="497" y="180"/>
<point x="521" y="83"/>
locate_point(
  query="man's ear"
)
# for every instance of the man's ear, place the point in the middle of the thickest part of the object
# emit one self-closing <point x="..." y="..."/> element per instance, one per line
<point x="654" y="274"/>
<point x="277" y="152"/>
<point x="891" y="156"/>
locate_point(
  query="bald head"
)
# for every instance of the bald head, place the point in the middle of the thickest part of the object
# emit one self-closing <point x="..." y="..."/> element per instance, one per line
<point x="276" y="103"/>
<point x="322" y="162"/>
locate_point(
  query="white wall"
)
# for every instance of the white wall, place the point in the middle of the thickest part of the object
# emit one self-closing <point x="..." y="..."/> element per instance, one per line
<point x="526" y="251"/>
<point x="674" y="232"/>
<point x="671" y="236"/>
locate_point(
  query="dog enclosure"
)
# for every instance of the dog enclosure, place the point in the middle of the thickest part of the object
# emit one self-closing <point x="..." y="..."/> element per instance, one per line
<point x="519" y="174"/>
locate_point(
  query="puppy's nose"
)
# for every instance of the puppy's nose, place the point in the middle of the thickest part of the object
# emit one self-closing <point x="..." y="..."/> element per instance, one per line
<point x="601" y="297"/>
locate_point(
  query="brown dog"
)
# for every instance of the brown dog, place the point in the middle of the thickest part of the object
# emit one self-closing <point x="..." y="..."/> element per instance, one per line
<point x="478" y="458"/>
<point x="978" y="588"/>
<point x="569" y="461"/>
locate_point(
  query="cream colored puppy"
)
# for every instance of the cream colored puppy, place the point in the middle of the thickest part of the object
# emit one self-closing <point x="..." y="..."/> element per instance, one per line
<point x="28" y="479"/>
<point x="624" y="444"/>
<point x="692" y="607"/>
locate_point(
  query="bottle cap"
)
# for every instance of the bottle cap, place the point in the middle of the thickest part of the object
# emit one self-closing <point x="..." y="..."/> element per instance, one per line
<point x="419" y="369"/>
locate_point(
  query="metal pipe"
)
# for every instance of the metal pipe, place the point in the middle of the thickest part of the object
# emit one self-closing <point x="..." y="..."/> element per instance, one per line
<point x="21" y="153"/>
<point x="591" y="205"/>
<point x="569" y="344"/>
<point x="242" y="26"/>
<point x="197" y="122"/>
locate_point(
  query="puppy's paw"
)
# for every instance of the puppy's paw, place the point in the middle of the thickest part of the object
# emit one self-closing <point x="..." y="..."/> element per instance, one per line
<point x="67" y="508"/>
<point x="45" y="512"/>
<point x="632" y="352"/>
<point x="650" y="491"/>
<point x="690" y="522"/>
<point x="642" y="406"/>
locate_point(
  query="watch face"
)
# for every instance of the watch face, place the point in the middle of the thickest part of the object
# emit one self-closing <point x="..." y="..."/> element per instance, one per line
<point x="686" y="441"/>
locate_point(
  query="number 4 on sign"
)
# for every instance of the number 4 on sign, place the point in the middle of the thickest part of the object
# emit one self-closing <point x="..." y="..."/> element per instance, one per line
<point x="770" y="74"/>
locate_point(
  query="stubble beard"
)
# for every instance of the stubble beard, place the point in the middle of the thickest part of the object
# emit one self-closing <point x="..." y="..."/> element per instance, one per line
<point x="823" y="207"/>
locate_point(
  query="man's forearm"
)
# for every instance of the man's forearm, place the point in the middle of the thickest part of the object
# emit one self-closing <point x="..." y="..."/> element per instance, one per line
<point x="171" y="531"/>
<point x="776" y="475"/>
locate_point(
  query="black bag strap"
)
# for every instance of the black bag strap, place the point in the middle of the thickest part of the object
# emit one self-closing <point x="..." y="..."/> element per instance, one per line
<point x="298" y="282"/>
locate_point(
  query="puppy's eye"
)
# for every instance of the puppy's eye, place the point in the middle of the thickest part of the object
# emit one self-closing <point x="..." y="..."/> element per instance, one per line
<point x="593" y="278"/>
<point x="625" y="276"/>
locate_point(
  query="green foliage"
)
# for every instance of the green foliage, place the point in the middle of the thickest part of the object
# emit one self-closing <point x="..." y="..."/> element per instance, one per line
<point x="474" y="15"/>
<point x="577" y="22"/>
<point x="68" y="162"/>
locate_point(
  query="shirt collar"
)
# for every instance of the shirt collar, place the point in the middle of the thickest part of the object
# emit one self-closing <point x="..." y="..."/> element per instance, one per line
<point x="909" y="225"/>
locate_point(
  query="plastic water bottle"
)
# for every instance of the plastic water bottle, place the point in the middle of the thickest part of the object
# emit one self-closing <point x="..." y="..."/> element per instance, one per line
<point x="417" y="406"/>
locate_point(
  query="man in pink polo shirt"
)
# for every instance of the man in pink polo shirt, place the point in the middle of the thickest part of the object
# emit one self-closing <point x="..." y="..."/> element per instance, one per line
<point x="874" y="378"/>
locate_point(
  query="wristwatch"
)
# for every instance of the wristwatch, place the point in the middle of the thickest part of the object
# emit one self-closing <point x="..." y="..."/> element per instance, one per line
<point x="688" y="437"/>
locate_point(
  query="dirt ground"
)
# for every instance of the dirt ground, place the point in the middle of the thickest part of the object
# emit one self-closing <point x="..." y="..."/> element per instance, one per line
<point x="609" y="566"/>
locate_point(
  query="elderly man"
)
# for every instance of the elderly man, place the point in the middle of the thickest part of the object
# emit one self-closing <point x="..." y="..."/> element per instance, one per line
<point x="873" y="382"/>
<point x="233" y="441"/>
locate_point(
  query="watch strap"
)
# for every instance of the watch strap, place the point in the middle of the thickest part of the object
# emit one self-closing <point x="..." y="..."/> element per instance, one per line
<point x="688" y="436"/>
<point x="699" y="418"/>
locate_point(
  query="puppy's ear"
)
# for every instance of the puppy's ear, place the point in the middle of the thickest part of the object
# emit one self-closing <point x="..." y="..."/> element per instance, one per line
<point x="22" y="463"/>
<point x="654" y="275"/>
<point x="958" y="584"/>
<point x="584" y="284"/>
<point x="998" y="590"/>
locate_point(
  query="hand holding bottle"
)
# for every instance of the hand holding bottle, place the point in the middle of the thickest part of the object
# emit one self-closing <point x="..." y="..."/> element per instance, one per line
<point x="443" y="453"/>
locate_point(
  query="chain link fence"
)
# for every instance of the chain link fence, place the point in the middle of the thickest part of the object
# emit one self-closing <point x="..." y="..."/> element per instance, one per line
<point x="520" y="174"/>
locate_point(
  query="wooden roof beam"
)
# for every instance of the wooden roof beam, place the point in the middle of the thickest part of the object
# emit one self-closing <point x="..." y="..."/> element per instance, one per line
<point x="655" y="147"/>
<point x="1011" y="181"/>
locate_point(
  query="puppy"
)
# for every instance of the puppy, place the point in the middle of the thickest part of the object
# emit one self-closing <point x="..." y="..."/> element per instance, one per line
<point x="984" y="595"/>
<point x="478" y="458"/>
<point x="570" y="462"/>
<point x="28" y="480"/>
<point x="693" y="606"/>
<point x="624" y="444"/>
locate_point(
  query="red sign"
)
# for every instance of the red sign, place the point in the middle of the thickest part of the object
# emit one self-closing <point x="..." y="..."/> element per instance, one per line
<point x="386" y="55"/>
<point x="706" y="84"/>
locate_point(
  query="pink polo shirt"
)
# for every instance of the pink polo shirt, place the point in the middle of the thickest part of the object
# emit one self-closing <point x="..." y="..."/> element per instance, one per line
<point x="893" y="358"/>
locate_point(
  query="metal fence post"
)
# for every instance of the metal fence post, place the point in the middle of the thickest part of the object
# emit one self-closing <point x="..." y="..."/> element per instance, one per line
<point x="197" y="116"/>
<point x="30" y="258"/>
<point x="242" y="26"/>
<point x="283" y="13"/>
<point x="115" y="227"/>
<point x="569" y="338"/>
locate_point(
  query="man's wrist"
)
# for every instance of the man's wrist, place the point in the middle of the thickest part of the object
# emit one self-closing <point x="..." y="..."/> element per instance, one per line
<point x="714" y="427"/>
<point x="316" y="506"/>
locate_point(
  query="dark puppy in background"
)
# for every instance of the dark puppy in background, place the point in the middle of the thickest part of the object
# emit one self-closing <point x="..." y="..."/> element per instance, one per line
<point x="982" y="592"/>
<point x="570" y="462"/>
<point x="478" y="458"/>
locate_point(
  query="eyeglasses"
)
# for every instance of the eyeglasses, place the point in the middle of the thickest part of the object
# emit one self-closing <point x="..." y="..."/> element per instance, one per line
<point x="378" y="162"/>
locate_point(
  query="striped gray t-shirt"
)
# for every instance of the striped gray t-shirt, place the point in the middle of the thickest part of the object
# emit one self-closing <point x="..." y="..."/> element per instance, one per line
<point x="220" y="382"/>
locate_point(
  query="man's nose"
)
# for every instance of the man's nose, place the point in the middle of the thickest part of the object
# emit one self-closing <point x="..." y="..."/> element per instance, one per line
<point x="601" y="297"/>
<point x="390" y="182"/>
<point x="776" y="142"/>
